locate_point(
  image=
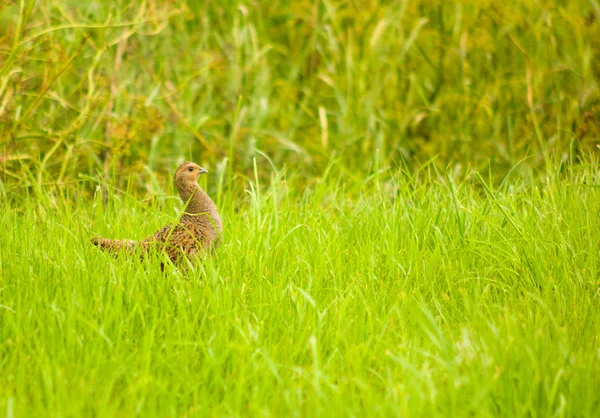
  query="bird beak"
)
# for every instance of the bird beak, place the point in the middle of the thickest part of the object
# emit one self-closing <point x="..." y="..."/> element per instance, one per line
<point x="203" y="170"/>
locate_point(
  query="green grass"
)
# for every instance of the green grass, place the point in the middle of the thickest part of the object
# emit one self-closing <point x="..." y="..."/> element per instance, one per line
<point x="423" y="295"/>
<point x="367" y="269"/>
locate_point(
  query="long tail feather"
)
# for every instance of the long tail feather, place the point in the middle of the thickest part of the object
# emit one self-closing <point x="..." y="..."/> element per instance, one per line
<point x="114" y="245"/>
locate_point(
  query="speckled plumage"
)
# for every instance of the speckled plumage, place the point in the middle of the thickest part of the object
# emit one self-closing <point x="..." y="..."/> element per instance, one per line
<point x="198" y="229"/>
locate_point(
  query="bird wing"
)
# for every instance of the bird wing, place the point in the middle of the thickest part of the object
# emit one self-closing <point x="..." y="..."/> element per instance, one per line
<point x="174" y="240"/>
<point x="179" y="239"/>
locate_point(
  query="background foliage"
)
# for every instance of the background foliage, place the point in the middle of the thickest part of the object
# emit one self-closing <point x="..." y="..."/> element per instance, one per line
<point x="125" y="85"/>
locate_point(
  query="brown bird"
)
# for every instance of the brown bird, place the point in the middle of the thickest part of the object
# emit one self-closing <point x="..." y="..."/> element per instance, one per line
<point x="198" y="229"/>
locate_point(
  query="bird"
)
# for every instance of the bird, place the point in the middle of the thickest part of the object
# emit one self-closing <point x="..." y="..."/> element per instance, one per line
<point x="197" y="231"/>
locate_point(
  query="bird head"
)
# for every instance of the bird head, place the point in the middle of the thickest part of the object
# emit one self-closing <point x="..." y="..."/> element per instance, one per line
<point x="188" y="173"/>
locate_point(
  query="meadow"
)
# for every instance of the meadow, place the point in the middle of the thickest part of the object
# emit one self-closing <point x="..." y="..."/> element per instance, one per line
<point x="417" y="297"/>
<point x="409" y="191"/>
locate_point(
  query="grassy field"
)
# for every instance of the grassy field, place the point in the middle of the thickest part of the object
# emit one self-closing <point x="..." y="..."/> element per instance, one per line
<point x="410" y="195"/>
<point x="425" y="296"/>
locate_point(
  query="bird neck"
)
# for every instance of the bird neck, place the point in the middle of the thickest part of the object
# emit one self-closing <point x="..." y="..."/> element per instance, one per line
<point x="199" y="203"/>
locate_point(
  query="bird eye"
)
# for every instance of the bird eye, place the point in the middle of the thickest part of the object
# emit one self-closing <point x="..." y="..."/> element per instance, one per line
<point x="191" y="169"/>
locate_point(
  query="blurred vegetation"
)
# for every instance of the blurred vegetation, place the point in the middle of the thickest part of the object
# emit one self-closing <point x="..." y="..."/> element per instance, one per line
<point x="133" y="87"/>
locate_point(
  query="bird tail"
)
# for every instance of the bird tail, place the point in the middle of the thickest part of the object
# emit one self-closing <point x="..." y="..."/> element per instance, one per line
<point x="114" y="245"/>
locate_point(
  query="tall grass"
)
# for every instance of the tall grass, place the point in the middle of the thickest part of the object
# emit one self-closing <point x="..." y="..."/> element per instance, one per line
<point x="122" y="85"/>
<point x="433" y="296"/>
<point x="409" y="191"/>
